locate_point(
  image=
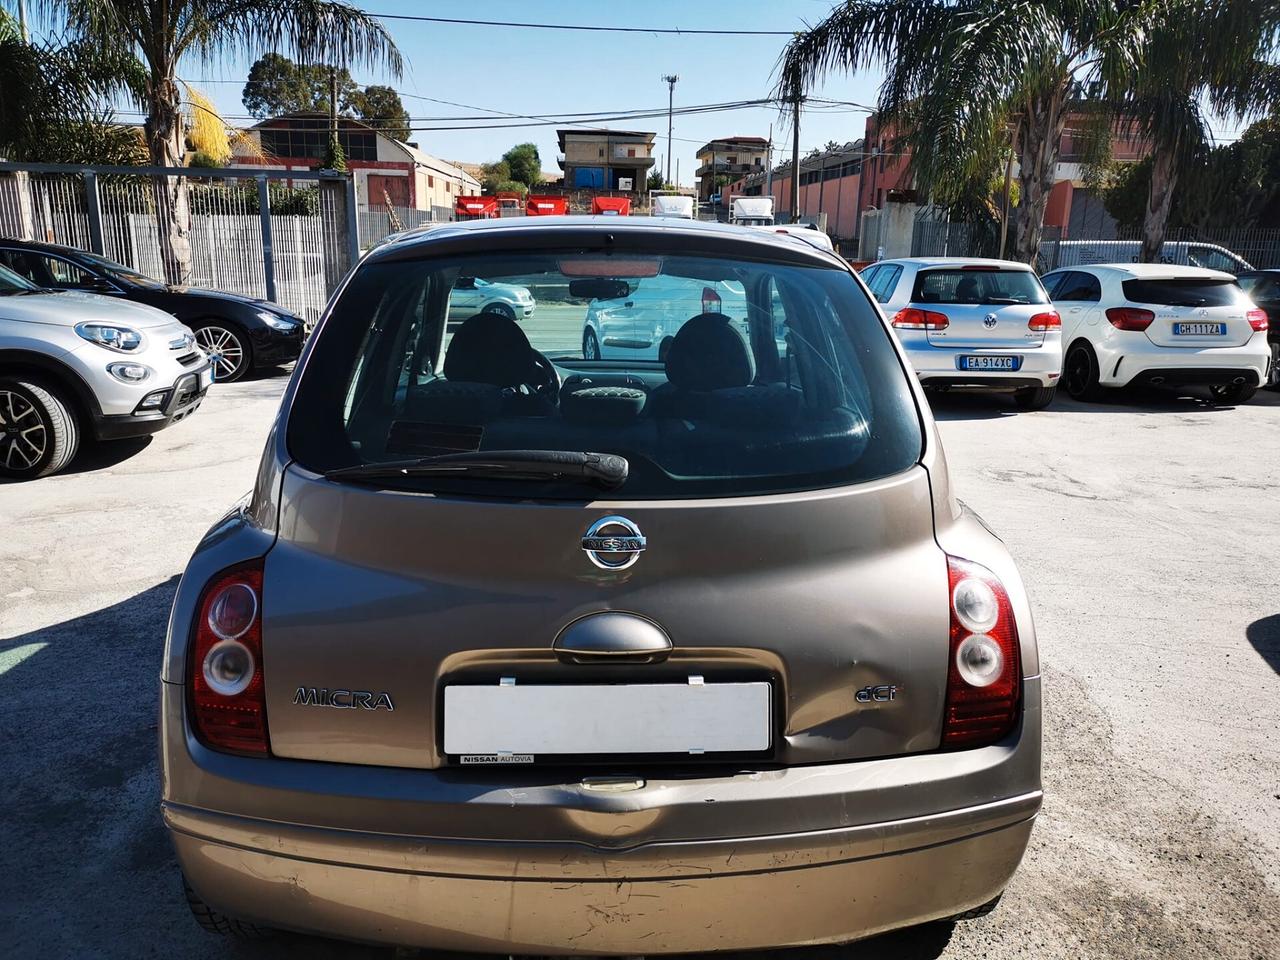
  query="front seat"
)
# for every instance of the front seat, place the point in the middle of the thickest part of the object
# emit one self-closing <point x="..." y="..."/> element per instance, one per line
<point x="490" y="370"/>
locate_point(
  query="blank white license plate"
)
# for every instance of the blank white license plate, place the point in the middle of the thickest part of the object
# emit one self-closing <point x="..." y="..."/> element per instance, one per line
<point x="1199" y="329"/>
<point x="527" y="720"/>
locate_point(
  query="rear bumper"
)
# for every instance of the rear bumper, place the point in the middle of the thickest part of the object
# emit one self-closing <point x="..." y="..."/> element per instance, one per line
<point x="1134" y="359"/>
<point x="1041" y="366"/>
<point x="658" y="898"/>
<point x="534" y="862"/>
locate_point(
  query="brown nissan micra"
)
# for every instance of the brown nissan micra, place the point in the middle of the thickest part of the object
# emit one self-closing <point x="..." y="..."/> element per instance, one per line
<point x="525" y="644"/>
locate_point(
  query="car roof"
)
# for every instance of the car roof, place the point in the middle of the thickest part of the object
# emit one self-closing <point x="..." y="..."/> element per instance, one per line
<point x="1153" y="271"/>
<point x="690" y="235"/>
<point x="42" y="246"/>
<point x="958" y="262"/>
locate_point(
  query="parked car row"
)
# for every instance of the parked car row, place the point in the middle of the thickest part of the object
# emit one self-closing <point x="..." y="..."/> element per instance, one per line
<point x="996" y="324"/>
<point x="92" y="349"/>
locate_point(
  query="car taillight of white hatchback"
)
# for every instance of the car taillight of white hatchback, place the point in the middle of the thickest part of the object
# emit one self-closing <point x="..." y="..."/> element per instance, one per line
<point x="983" y="675"/>
<point x="228" y="699"/>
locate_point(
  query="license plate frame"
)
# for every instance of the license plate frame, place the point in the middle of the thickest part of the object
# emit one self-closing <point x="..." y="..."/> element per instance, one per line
<point x="536" y="722"/>
<point x="1180" y="329"/>
<point x="986" y="363"/>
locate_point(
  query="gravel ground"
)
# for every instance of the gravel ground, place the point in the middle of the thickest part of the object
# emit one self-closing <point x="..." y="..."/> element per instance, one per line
<point x="1145" y="533"/>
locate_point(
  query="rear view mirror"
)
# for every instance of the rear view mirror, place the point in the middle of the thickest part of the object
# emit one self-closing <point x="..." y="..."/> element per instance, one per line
<point x="598" y="289"/>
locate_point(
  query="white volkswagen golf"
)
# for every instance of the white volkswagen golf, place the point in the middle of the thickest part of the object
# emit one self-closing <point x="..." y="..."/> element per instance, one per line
<point x="973" y="323"/>
<point x="1159" y="324"/>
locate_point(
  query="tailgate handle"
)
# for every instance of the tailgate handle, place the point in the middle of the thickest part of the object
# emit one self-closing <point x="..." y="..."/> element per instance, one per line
<point x="612" y="637"/>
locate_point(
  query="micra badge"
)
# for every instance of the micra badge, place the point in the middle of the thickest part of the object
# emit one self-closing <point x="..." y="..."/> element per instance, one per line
<point x="878" y="693"/>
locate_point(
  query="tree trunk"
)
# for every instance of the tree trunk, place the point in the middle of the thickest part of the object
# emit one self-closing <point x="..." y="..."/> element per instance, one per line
<point x="1155" y="221"/>
<point x="165" y="144"/>
<point x="1038" y="143"/>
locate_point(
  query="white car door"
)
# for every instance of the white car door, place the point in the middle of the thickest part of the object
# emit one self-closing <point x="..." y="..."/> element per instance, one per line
<point x="1078" y="296"/>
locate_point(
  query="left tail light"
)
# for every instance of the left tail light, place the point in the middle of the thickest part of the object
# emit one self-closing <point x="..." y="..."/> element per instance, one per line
<point x="1045" y="321"/>
<point x="710" y="301"/>
<point x="1257" y="320"/>
<point x="984" y="675"/>
<point x="228" y="697"/>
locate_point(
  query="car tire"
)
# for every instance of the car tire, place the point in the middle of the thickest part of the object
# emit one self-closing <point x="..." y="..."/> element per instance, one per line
<point x="1080" y="374"/>
<point x="501" y="309"/>
<point x="1232" y="394"/>
<point x="38" y="431"/>
<point x="230" y="348"/>
<point x="1273" y="378"/>
<point x="1034" y="398"/>
<point x="212" y="921"/>
<point x="590" y="345"/>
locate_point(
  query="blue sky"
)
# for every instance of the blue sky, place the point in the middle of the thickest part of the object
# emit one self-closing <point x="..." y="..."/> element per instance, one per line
<point x="543" y="71"/>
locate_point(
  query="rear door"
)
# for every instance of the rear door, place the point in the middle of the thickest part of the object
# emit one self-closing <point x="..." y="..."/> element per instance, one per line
<point x="986" y="306"/>
<point x="1192" y="311"/>
<point x="1078" y="299"/>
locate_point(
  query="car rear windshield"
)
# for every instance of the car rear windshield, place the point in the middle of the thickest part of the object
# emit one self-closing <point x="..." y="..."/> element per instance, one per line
<point x="1185" y="292"/>
<point x="712" y="377"/>
<point x="978" y="285"/>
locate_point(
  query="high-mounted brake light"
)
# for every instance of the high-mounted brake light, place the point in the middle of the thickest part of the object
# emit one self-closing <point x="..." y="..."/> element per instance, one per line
<point x="228" y="698"/>
<point x="911" y="318"/>
<point x="984" y="675"/>
<point x="1130" y="318"/>
<point x="1045" y="321"/>
<point x="1257" y="320"/>
<point x="980" y="268"/>
<point x="710" y="301"/>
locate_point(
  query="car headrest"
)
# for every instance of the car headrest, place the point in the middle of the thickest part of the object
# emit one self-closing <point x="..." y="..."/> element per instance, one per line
<point x="490" y="348"/>
<point x="967" y="289"/>
<point x="708" y="354"/>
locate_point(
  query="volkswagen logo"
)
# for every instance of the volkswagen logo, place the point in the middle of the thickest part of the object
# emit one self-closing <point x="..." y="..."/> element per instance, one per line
<point x="989" y="321"/>
<point x="613" y="543"/>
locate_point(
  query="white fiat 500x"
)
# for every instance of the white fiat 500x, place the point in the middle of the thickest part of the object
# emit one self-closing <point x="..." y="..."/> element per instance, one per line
<point x="1159" y="324"/>
<point x="973" y="323"/>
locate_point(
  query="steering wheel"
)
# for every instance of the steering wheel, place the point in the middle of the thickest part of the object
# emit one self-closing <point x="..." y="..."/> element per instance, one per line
<point x="548" y="385"/>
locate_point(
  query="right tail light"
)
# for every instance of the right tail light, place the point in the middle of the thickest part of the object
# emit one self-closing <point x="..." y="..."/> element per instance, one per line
<point x="1257" y="319"/>
<point x="228" y="697"/>
<point x="911" y="318"/>
<point x="984" y="674"/>
<point x="1042" y="322"/>
<point x="1130" y="318"/>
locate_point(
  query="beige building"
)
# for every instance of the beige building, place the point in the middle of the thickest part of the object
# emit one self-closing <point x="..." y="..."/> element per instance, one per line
<point x="729" y="159"/>
<point x="611" y="160"/>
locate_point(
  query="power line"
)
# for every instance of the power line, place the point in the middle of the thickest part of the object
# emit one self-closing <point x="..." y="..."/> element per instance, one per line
<point x="585" y="27"/>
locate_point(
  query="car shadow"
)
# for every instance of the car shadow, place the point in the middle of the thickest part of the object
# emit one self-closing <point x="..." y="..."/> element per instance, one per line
<point x="1264" y="634"/>
<point x="95" y="455"/>
<point x="979" y="405"/>
<point x="970" y="405"/>
<point x="83" y="787"/>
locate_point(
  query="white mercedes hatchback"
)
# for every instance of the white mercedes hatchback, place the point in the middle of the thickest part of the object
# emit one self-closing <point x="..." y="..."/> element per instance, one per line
<point x="1159" y="324"/>
<point x="973" y="323"/>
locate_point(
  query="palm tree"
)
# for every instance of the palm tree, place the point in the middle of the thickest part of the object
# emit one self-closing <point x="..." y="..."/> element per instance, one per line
<point x="1208" y="51"/>
<point x="164" y="32"/>
<point x="961" y="73"/>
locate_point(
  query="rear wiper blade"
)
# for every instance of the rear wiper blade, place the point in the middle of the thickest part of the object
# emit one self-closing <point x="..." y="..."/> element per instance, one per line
<point x="1010" y="301"/>
<point x="604" y="469"/>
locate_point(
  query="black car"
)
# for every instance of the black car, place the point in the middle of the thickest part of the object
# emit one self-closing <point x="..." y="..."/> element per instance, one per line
<point x="239" y="333"/>
<point x="1263" y="288"/>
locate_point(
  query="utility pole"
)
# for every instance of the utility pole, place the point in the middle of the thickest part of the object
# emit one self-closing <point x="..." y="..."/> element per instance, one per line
<point x="795" y="155"/>
<point x="671" y="79"/>
<point x="333" y="102"/>
<point x="768" y="164"/>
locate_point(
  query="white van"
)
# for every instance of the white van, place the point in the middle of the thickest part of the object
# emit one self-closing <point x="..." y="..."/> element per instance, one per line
<point x="1078" y="253"/>
<point x="669" y="205"/>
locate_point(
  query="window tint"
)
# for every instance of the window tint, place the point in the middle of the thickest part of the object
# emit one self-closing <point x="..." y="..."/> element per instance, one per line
<point x="11" y="282"/>
<point x="1079" y="286"/>
<point x="978" y="286"/>
<point x="1051" y="282"/>
<point x="714" y="377"/>
<point x="1211" y="259"/>
<point x="885" y="281"/>
<point x="1184" y="292"/>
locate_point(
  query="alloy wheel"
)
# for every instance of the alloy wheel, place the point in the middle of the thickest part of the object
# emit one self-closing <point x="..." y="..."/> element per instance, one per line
<point x="1076" y="376"/>
<point x="224" y="348"/>
<point x="24" y="436"/>
<point x="590" y="346"/>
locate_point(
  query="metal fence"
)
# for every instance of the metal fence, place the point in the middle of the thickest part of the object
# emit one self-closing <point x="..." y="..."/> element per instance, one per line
<point x="285" y="236"/>
<point x="1259" y="247"/>
<point x="381" y="221"/>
